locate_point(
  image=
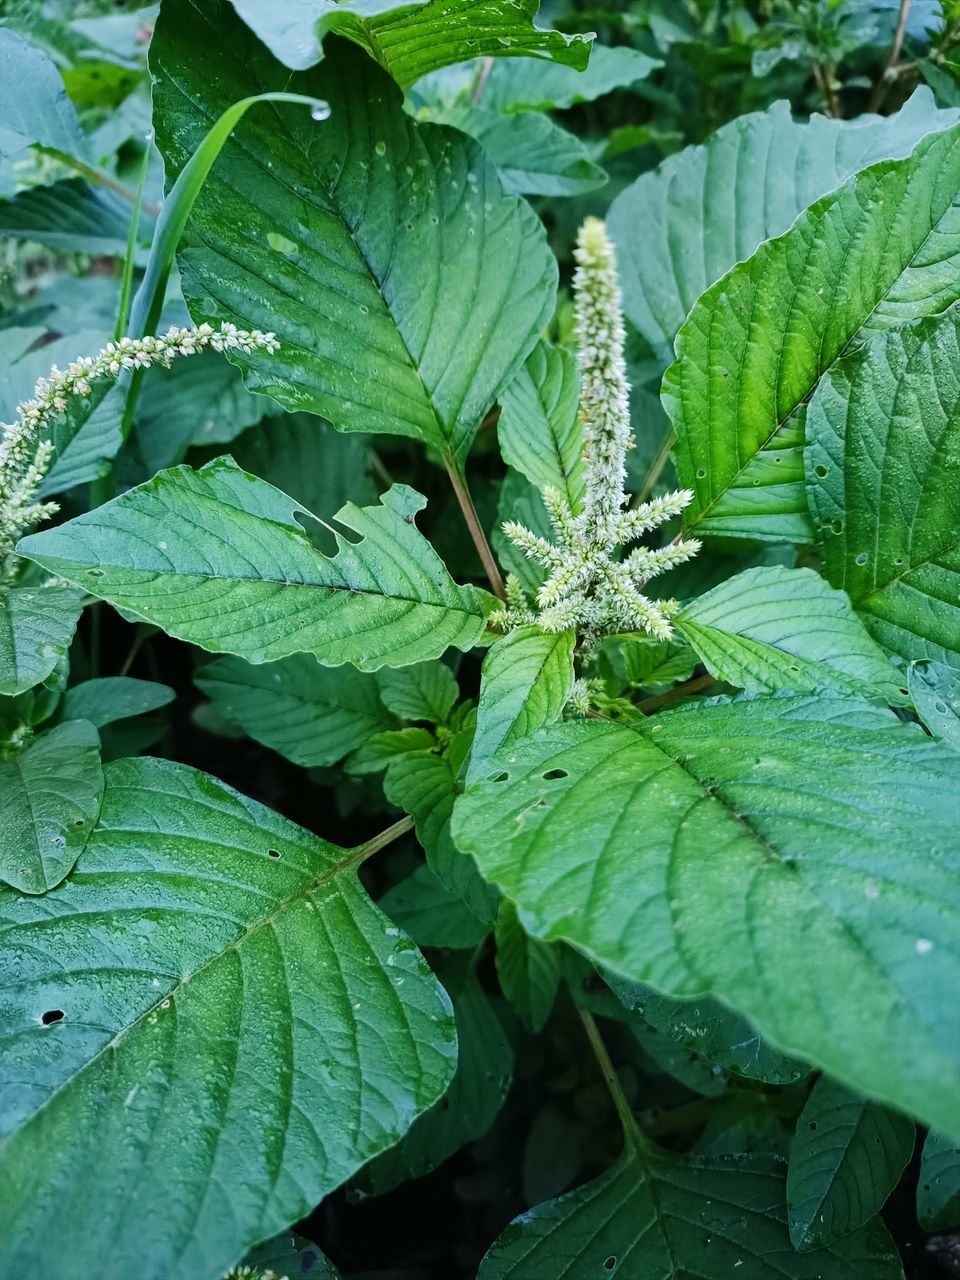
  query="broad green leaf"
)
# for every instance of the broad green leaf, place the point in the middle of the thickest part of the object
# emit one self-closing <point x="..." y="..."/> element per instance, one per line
<point x="426" y="691"/>
<point x="534" y="155"/>
<point x="467" y="1109"/>
<point x="378" y="751"/>
<point x="110" y="698"/>
<point x="540" y="86"/>
<point x="525" y="683"/>
<point x="70" y="216"/>
<point x="846" y="1157"/>
<point x="683" y="225"/>
<point x="832" y="831"/>
<point x="292" y="1256"/>
<point x="36" y="628"/>
<point x="771" y="628"/>
<point x="411" y="39"/>
<point x="883" y="480"/>
<point x="309" y="713"/>
<point x="660" y="1216"/>
<point x="938" y="1191"/>
<point x="539" y="429"/>
<point x="935" y="690"/>
<point x="34" y="107"/>
<point x="636" y="661"/>
<point x="213" y="1017"/>
<point x="50" y="793"/>
<point x="431" y="915"/>
<point x="528" y="969"/>
<point x="174" y="551"/>
<point x="404" y="287"/>
<point x="876" y="254"/>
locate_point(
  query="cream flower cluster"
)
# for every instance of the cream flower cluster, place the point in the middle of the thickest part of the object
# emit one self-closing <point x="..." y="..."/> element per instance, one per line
<point x="590" y="585"/>
<point x="25" y="448"/>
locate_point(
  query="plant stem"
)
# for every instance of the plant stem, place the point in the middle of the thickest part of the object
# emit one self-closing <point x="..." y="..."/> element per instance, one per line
<point x="649" y="705"/>
<point x="824" y="76"/>
<point x="628" y="1122"/>
<point x="459" y="482"/>
<point x="99" y="178"/>
<point x="653" y="475"/>
<point x="480" y="80"/>
<point x="890" y="70"/>
<point x="384" y="838"/>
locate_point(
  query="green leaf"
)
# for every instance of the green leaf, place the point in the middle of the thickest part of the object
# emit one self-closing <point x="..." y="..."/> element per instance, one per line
<point x="529" y="970"/>
<point x="70" y="216"/>
<point x="539" y="429"/>
<point x="938" y="1190"/>
<point x="174" y="550"/>
<point x="309" y="713"/>
<point x="293" y="1256"/>
<point x="35" y="108"/>
<point x="425" y="691"/>
<point x="384" y="267"/>
<point x="635" y="661"/>
<point x="846" y="1157"/>
<point x="882" y="459"/>
<point x="234" y="1028"/>
<point x="431" y="915"/>
<point x="467" y="1109"/>
<point x="874" y="255"/>
<point x="110" y="698"/>
<point x="683" y="225"/>
<point x="411" y="39"/>
<point x="542" y="86"/>
<point x="36" y="629"/>
<point x="828" y="824"/>
<point x="658" y="1215"/>
<point x="50" y="795"/>
<point x="771" y="628"/>
<point x="935" y="690"/>
<point x="520" y="501"/>
<point x="525" y="684"/>
<point x="378" y="751"/>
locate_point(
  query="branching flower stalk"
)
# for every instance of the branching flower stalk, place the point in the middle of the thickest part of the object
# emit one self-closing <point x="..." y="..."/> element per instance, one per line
<point x="26" y="449"/>
<point x="591" y="586"/>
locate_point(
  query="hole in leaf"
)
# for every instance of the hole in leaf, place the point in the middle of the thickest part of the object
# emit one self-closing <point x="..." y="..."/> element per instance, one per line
<point x="78" y="822"/>
<point x="499" y="777"/>
<point x="837" y="526"/>
<point x="820" y="472"/>
<point x="553" y="774"/>
<point x="610" y="1263"/>
<point x="51" y="1016"/>
<point x="701" y="473"/>
<point x="862" y="558"/>
<point x="273" y="853"/>
<point x="813" y="1124"/>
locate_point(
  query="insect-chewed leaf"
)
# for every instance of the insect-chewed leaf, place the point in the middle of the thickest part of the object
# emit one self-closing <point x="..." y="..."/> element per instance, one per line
<point x="935" y="690"/>
<point x="746" y="849"/>
<point x="218" y="558"/>
<point x="210" y="1002"/>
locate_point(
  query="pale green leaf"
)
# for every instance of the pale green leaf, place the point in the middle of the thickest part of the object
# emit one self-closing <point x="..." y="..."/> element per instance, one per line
<point x="410" y="39"/>
<point x="110" y="698"/>
<point x="36" y="628"/>
<point x="214" y="1004"/>
<point x="431" y="915"/>
<point x="425" y="691"/>
<point x="661" y="1216"/>
<point x="218" y="558"/>
<point x="876" y="254"/>
<point x="846" y="1157"/>
<point x="34" y="107"/>
<point x="539" y="429"/>
<point x="528" y="969"/>
<point x="771" y="628"/>
<point x="70" y="215"/>
<point x="50" y="793"/>
<point x="309" y="713"/>
<point x="935" y="690"/>
<point x="525" y="683"/>
<point x="636" y="661"/>
<point x="404" y="287"/>
<point x="681" y="226"/>
<point x="938" y="1190"/>
<point x="883" y="480"/>
<point x="540" y="86"/>
<point x="832" y="837"/>
<point x="520" y="501"/>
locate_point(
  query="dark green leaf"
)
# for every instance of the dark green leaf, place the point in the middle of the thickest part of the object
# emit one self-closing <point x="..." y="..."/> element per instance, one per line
<point x="70" y="216"/>
<point x="431" y="915"/>
<point x="528" y="969"/>
<point x="938" y="1191"/>
<point x="425" y="691"/>
<point x="110" y="698"/>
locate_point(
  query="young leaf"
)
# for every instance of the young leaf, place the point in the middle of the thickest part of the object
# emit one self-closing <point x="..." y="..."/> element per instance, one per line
<point x="528" y="969"/>
<point x="404" y="287"/>
<point x="882" y="459"/>
<point x="771" y="628"/>
<point x="36" y="628"/>
<point x="410" y="40"/>
<point x="540" y="86"/>
<point x="935" y="690"/>
<point x="431" y="915"/>
<point x="526" y="683"/>
<point x="658" y="1215"/>
<point x="307" y="712"/>
<point x="827" y="823"/>
<point x="539" y="429"/>
<point x="425" y="691"/>
<point x="847" y="1156"/>
<point x="175" y="550"/>
<point x="50" y="795"/>
<point x="874" y="255"/>
<point x="520" y="501"/>
<point x="636" y="661"/>
<point x="110" y="698"/>
<point x="683" y="225"/>
<point x="214" y="1018"/>
<point x="938" y="1191"/>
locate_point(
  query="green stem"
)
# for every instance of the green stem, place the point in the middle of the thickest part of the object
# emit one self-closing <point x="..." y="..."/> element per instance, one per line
<point x="480" y="80"/>
<point x="653" y="475"/>
<point x="459" y="482"/>
<point x="384" y="838"/>
<point x="628" y="1122"/>
<point x="126" y="282"/>
<point x="696" y="685"/>
<point x="890" y="70"/>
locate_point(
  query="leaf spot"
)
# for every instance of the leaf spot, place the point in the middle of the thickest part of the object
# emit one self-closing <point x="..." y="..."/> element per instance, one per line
<point x="51" y="1016"/>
